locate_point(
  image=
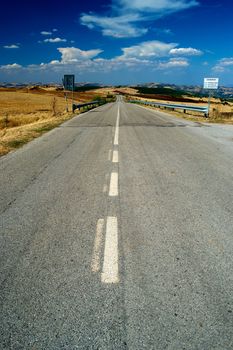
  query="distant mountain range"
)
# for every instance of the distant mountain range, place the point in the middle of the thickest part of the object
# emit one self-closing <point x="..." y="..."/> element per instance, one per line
<point x="224" y="92"/>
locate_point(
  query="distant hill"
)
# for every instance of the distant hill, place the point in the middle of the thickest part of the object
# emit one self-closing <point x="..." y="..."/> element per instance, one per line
<point x="177" y="91"/>
<point x="172" y="90"/>
<point x="86" y="88"/>
<point x="164" y="93"/>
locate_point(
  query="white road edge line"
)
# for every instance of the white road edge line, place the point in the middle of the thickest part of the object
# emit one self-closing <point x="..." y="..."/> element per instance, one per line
<point x="110" y="266"/>
<point x="113" y="189"/>
<point x="115" y="157"/>
<point x="95" y="263"/>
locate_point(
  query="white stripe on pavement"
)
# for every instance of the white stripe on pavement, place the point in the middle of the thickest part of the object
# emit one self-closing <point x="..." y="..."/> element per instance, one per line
<point x="110" y="265"/>
<point x="95" y="263"/>
<point x="116" y="138"/>
<point x="115" y="157"/>
<point x="113" y="189"/>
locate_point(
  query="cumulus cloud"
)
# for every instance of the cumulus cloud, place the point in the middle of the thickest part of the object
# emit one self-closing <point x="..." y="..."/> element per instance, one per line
<point x="11" y="66"/>
<point x="73" y="54"/>
<point x="13" y="46"/>
<point x="151" y="54"/>
<point x="149" y="49"/>
<point x="125" y="17"/>
<point x="189" y="51"/>
<point x="173" y="63"/>
<point x="223" y="65"/>
<point x="54" y="40"/>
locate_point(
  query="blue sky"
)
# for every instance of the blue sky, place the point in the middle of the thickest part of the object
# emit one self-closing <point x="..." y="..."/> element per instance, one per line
<point x="117" y="41"/>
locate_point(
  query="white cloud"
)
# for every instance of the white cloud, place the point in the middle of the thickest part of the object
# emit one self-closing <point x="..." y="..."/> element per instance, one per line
<point x="189" y="51"/>
<point x="146" y="54"/>
<point x="157" y="6"/>
<point x="227" y="62"/>
<point x="73" y="54"/>
<point x="52" y="62"/>
<point x="223" y="65"/>
<point x="54" y="40"/>
<point x="125" y="16"/>
<point x="13" y="46"/>
<point x="55" y="30"/>
<point x="11" y="66"/>
<point x="173" y="63"/>
<point x="117" y="27"/>
<point x="149" y="49"/>
<point x="151" y="54"/>
<point x="45" y="33"/>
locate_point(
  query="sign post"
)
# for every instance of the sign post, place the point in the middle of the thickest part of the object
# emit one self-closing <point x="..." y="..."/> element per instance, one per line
<point x="210" y="84"/>
<point x="68" y="84"/>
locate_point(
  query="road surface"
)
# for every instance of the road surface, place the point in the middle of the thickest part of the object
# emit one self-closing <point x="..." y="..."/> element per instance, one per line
<point x="117" y="233"/>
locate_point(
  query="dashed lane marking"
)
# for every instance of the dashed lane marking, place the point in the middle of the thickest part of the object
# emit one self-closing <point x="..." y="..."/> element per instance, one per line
<point x="116" y="138"/>
<point x="115" y="157"/>
<point x="113" y="189"/>
<point x="110" y="272"/>
<point x="95" y="263"/>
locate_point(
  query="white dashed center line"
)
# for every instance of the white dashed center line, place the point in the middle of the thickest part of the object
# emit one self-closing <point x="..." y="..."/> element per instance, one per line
<point x="116" y="138"/>
<point x="115" y="157"/>
<point x="95" y="264"/>
<point x="110" y="265"/>
<point x="113" y="189"/>
<point x="110" y="273"/>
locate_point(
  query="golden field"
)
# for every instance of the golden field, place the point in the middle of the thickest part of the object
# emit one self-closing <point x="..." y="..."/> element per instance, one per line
<point x="220" y="112"/>
<point x="29" y="112"/>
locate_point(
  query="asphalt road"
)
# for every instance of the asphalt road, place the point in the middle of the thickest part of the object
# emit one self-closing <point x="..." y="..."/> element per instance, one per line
<point x="117" y="233"/>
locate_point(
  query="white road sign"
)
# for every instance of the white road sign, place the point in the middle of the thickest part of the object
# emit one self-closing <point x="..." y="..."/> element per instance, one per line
<point x="211" y="83"/>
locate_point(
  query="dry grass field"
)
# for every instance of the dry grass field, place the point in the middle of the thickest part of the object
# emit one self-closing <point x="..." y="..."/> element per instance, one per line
<point x="219" y="112"/>
<point x="27" y="113"/>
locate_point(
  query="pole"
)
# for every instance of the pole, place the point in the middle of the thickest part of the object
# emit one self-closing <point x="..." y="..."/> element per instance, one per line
<point x="65" y="95"/>
<point x="72" y="96"/>
<point x="67" y="108"/>
<point x="209" y="103"/>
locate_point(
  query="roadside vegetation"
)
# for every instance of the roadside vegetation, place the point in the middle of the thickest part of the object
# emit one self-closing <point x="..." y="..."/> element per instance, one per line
<point x="164" y="93"/>
<point x="28" y="113"/>
<point x="86" y="88"/>
<point x="221" y="109"/>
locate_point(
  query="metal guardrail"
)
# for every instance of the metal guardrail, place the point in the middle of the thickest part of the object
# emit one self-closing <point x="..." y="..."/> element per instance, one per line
<point x="80" y="105"/>
<point x="204" y="110"/>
